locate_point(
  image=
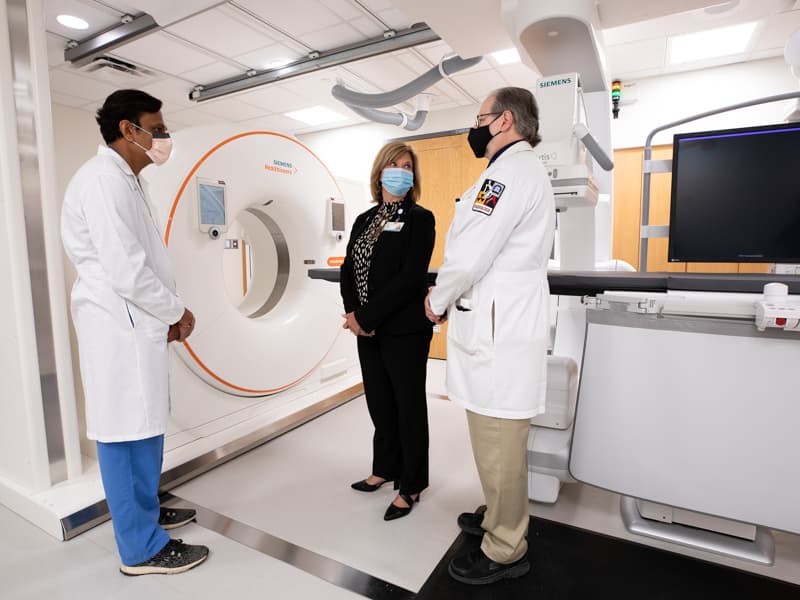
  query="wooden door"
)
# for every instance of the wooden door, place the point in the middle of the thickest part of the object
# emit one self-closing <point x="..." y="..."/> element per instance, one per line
<point x="447" y="168"/>
<point x="628" y="215"/>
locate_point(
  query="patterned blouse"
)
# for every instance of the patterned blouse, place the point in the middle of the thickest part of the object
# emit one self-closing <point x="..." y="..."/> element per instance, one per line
<point x="365" y="243"/>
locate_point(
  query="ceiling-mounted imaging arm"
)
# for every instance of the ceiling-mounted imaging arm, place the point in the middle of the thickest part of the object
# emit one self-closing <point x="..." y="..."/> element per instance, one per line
<point x="587" y="139"/>
<point x="365" y="105"/>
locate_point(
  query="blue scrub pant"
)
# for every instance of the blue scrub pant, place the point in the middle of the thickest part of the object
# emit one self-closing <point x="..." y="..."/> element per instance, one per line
<point x="131" y="472"/>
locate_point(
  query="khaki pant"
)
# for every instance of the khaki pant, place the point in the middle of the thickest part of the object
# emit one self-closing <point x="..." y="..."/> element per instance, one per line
<point x="500" y="447"/>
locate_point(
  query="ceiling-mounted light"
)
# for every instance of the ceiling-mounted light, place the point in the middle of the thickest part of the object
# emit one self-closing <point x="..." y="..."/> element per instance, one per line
<point x="72" y="22"/>
<point x="316" y="115"/>
<point x="507" y="56"/>
<point x="277" y="63"/>
<point x="712" y="43"/>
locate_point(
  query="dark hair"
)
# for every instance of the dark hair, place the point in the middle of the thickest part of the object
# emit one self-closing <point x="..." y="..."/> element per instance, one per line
<point x="521" y="103"/>
<point x="124" y="105"/>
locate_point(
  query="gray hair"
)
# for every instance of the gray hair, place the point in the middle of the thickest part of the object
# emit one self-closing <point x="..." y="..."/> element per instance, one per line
<point x="522" y="105"/>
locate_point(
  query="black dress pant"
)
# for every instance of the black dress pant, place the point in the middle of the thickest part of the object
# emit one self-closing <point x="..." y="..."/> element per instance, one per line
<point x="394" y="369"/>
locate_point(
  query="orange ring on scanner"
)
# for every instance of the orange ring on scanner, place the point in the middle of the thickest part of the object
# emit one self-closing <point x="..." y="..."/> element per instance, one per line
<point x="168" y="230"/>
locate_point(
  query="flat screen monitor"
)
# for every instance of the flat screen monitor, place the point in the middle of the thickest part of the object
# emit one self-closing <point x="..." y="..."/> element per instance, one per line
<point x="736" y="195"/>
<point x="211" y="204"/>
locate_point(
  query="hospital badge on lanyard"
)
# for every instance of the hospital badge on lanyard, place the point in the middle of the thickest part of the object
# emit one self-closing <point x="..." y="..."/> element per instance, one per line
<point x="488" y="196"/>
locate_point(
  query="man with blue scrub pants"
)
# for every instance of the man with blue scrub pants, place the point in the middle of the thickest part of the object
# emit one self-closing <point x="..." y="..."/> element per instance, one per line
<point x="126" y="310"/>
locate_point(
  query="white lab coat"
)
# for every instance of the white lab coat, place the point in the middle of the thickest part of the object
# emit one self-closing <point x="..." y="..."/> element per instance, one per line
<point x="123" y="300"/>
<point x="495" y="263"/>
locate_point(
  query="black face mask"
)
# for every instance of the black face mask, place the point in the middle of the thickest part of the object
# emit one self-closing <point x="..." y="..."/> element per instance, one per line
<point x="479" y="138"/>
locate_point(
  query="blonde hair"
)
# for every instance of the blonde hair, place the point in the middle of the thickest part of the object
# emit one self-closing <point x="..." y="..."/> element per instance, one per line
<point x="386" y="155"/>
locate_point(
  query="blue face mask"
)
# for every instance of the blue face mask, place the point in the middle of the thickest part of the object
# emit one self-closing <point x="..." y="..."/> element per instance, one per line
<point x="397" y="181"/>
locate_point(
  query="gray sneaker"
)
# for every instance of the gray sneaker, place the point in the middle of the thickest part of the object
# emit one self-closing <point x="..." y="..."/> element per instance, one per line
<point x="175" y="557"/>
<point x="170" y="518"/>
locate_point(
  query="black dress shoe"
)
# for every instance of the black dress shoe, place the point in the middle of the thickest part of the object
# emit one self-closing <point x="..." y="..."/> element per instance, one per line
<point x="395" y="512"/>
<point x="363" y="486"/>
<point x="475" y="568"/>
<point x="470" y="523"/>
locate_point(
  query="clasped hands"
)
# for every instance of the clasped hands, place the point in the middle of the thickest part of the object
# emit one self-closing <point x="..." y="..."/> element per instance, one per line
<point x="351" y="324"/>
<point x="178" y="332"/>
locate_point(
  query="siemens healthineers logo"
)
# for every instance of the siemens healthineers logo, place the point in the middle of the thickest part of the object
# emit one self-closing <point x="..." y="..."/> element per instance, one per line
<point x="552" y="82"/>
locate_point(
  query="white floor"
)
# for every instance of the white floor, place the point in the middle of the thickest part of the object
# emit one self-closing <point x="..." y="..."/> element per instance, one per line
<point x="297" y="488"/>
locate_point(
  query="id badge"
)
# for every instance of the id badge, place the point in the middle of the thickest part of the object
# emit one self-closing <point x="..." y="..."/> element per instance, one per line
<point x="394" y="226"/>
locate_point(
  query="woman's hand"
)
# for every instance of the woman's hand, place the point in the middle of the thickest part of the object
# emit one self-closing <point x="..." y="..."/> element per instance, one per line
<point x="351" y="324"/>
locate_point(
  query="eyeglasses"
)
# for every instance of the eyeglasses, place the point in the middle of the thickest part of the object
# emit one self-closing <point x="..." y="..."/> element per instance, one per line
<point x="479" y="117"/>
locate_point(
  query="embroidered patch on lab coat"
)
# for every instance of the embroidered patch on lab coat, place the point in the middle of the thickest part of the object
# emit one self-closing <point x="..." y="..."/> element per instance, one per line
<point x="488" y="196"/>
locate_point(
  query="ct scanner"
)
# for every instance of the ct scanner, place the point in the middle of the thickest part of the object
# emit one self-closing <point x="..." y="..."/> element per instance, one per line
<point x="268" y="340"/>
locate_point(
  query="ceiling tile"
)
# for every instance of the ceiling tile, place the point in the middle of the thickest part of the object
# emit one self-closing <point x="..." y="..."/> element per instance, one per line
<point x="480" y="84"/>
<point x="635" y="56"/>
<point x="96" y="15"/>
<point x="174" y="93"/>
<point x="344" y="9"/>
<point x="332" y="37"/>
<point x="386" y="72"/>
<point x="395" y="19"/>
<point x="162" y="52"/>
<point x="435" y="51"/>
<point x="275" y="99"/>
<point x="64" y="82"/>
<point x="221" y="33"/>
<point x="413" y="61"/>
<point x="302" y="17"/>
<point x="519" y="75"/>
<point x="212" y="73"/>
<point x="367" y="26"/>
<point x="231" y="109"/>
<point x="261" y="58"/>
<point x="376" y="5"/>
<point x="317" y="86"/>
<point x="446" y="89"/>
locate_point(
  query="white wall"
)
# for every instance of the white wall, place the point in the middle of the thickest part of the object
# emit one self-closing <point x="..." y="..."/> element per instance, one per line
<point x="662" y="100"/>
<point x="349" y="151"/>
<point x="76" y="136"/>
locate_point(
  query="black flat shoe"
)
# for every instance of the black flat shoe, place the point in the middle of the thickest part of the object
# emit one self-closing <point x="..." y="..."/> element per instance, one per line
<point x="363" y="486"/>
<point x="395" y="512"/>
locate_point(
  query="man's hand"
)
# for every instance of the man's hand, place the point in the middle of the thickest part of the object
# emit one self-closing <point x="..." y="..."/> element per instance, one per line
<point x="351" y="324"/>
<point x="185" y="326"/>
<point x="433" y="317"/>
<point x="173" y="333"/>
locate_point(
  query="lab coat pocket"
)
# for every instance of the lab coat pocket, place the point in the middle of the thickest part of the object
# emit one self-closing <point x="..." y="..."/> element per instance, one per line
<point x="471" y="330"/>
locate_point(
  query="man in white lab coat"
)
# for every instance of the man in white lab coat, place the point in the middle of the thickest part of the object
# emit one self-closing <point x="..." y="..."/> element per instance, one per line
<point x="492" y="286"/>
<point x="125" y="310"/>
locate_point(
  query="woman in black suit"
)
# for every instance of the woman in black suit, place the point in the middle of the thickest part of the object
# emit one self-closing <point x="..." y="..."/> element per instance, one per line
<point x="383" y="285"/>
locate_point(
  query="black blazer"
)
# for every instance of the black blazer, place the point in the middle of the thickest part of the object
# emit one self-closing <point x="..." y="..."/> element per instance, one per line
<point x="397" y="283"/>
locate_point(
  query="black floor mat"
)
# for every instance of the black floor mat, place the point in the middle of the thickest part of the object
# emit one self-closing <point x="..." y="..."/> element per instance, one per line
<point x="569" y="563"/>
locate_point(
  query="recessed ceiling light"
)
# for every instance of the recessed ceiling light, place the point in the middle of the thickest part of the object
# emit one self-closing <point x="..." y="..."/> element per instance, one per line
<point x="316" y="115"/>
<point x="710" y="44"/>
<point x="507" y="56"/>
<point x="72" y="22"/>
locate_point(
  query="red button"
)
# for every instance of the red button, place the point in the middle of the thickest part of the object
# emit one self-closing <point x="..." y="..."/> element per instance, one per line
<point x="780" y="321"/>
